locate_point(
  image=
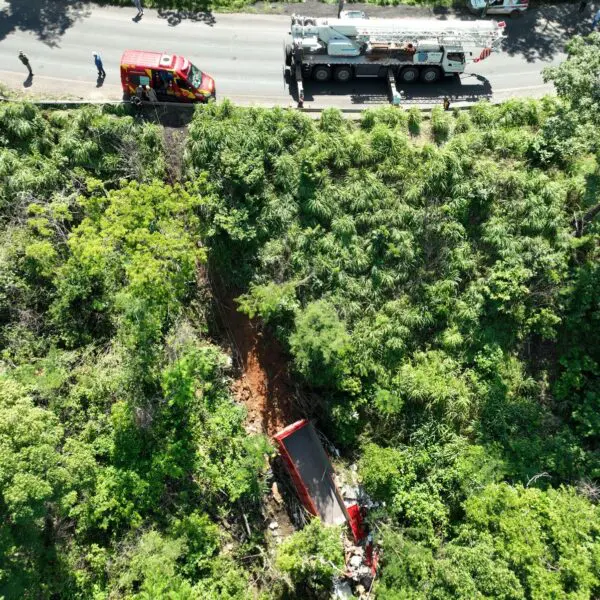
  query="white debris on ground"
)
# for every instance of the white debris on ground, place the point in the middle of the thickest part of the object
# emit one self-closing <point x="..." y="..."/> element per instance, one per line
<point x="275" y="492"/>
<point x="350" y="493"/>
<point x="358" y="572"/>
<point x="342" y="590"/>
<point x="276" y="532"/>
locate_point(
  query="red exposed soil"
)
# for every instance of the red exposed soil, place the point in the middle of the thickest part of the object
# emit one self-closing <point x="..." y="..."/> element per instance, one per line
<point x="263" y="385"/>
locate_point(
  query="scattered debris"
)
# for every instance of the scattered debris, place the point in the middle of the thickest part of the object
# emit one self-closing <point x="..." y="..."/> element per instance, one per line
<point x="247" y="524"/>
<point x="356" y="561"/>
<point x="276" y="495"/>
<point x="350" y="493"/>
<point x="273" y="525"/>
<point x="342" y="590"/>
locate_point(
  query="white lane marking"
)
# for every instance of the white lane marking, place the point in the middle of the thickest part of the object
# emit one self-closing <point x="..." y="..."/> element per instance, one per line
<point x="525" y="87"/>
<point x="36" y="76"/>
<point x="233" y="96"/>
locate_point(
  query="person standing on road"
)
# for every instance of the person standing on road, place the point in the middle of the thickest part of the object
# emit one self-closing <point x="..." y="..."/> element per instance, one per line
<point x="596" y="20"/>
<point x="138" y="5"/>
<point x="99" y="65"/>
<point x="23" y="58"/>
<point x="446" y="103"/>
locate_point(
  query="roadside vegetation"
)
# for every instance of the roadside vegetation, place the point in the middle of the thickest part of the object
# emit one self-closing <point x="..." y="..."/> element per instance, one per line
<point x="193" y="6"/>
<point x="437" y="291"/>
<point x="189" y="7"/>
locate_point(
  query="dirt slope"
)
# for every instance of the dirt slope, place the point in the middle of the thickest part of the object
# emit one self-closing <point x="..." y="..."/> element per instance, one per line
<point x="263" y="383"/>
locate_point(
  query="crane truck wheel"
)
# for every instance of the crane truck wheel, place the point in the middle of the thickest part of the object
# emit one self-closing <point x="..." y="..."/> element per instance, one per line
<point x="409" y="74"/>
<point x="342" y="74"/>
<point x="287" y="50"/>
<point x="321" y="73"/>
<point x="430" y="75"/>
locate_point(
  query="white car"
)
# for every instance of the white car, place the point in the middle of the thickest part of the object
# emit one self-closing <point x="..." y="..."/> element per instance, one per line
<point x="514" y="8"/>
<point x="353" y="14"/>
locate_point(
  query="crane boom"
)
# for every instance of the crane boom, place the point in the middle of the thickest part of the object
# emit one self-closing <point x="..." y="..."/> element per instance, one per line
<point x="481" y="32"/>
<point x="311" y="32"/>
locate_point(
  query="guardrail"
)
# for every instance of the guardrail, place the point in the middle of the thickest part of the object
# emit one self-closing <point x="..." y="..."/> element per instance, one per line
<point x="187" y="105"/>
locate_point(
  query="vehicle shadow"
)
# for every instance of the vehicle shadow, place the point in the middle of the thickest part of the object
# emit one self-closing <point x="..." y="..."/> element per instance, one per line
<point x="360" y="91"/>
<point x="166" y="115"/>
<point x="175" y="16"/>
<point x="468" y="88"/>
<point x="541" y="33"/>
<point x="46" y="19"/>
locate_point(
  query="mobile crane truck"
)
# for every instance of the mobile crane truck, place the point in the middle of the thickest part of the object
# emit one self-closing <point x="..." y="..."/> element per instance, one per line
<point x="408" y="49"/>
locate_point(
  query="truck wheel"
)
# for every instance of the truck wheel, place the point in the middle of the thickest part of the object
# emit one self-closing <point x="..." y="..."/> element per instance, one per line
<point x="288" y="55"/>
<point x="342" y="74"/>
<point x="321" y="73"/>
<point x="430" y="75"/>
<point x="409" y="74"/>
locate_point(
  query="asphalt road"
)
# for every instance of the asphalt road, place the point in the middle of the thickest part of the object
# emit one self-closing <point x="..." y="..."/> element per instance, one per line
<point x="244" y="54"/>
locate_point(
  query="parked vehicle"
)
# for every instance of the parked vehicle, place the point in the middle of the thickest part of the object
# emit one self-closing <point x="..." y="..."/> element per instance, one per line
<point x="353" y="14"/>
<point x="514" y="8"/>
<point x="171" y="76"/>
<point x="413" y="49"/>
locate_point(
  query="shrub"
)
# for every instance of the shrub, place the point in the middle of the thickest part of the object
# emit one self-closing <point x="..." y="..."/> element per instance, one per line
<point x="414" y="121"/>
<point x="440" y="125"/>
<point x="312" y="557"/>
<point x="319" y="342"/>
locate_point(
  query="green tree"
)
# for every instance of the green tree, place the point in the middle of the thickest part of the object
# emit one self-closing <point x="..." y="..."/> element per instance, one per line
<point x="312" y="557"/>
<point x="577" y="79"/>
<point x="33" y="481"/>
<point x="319" y="342"/>
<point x="514" y="543"/>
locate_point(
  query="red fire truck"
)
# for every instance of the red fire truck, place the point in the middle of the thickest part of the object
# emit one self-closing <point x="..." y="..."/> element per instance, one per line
<point x="171" y="76"/>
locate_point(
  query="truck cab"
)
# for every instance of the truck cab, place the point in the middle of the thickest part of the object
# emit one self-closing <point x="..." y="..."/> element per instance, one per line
<point x="454" y="59"/>
<point x="171" y="76"/>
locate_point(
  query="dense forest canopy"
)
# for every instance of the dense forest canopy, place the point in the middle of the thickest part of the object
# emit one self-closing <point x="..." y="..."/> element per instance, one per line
<point x="435" y="284"/>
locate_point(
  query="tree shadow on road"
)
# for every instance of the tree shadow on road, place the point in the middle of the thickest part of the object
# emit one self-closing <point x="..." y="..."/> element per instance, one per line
<point x="541" y="34"/>
<point x="47" y="19"/>
<point x="175" y="16"/>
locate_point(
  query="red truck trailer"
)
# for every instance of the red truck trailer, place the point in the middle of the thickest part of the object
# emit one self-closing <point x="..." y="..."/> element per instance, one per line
<point x="311" y="471"/>
<point x="313" y="476"/>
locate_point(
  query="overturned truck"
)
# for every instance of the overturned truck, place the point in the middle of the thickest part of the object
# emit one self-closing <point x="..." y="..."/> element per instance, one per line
<point x="312" y="473"/>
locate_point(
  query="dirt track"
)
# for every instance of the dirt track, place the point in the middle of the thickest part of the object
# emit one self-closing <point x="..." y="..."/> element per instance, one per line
<point x="263" y="385"/>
